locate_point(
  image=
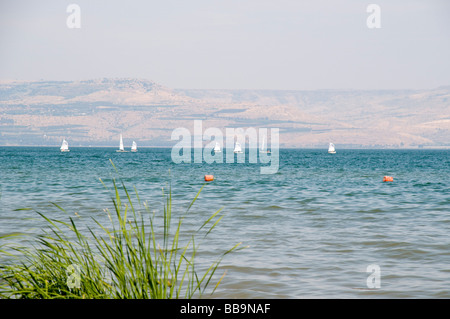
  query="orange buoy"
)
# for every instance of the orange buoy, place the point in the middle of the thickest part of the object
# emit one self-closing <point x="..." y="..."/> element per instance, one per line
<point x="209" y="178"/>
<point x="388" y="179"/>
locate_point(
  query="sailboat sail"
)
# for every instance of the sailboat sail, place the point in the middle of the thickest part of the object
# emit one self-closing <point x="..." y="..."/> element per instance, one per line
<point x="64" y="146"/>
<point x="237" y="148"/>
<point x="121" y="149"/>
<point x="263" y="145"/>
<point x="121" y="143"/>
<point x="217" y="147"/>
<point x="331" y="148"/>
<point x="134" y="147"/>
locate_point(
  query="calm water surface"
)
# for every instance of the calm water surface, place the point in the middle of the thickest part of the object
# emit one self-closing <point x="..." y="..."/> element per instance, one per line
<point x="312" y="229"/>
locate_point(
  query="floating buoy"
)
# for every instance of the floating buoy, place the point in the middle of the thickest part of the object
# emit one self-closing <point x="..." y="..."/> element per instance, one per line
<point x="388" y="179"/>
<point x="209" y="178"/>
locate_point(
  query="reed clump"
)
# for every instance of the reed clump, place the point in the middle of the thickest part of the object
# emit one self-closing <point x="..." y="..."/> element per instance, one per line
<point x="137" y="255"/>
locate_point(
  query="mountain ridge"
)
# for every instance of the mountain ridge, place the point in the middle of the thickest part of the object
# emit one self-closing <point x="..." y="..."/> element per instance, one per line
<point x="95" y="111"/>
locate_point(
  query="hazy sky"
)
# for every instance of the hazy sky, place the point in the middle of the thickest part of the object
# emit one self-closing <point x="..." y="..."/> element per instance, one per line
<point x="230" y="44"/>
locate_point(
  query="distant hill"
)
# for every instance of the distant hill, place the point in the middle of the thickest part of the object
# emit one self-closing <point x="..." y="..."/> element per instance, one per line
<point x="94" y="112"/>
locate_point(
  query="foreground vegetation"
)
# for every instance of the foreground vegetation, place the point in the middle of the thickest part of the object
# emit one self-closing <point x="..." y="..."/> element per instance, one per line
<point x="138" y="255"/>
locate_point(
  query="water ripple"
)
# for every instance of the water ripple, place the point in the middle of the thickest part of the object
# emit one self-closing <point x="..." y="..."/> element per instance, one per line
<point x="312" y="228"/>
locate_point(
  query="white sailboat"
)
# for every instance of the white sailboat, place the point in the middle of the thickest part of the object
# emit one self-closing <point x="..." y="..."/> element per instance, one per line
<point x="134" y="147"/>
<point x="64" y="146"/>
<point x="121" y="149"/>
<point x="217" y="148"/>
<point x="237" y="148"/>
<point x="263" y="147"/>
<point x="331" y="149"/>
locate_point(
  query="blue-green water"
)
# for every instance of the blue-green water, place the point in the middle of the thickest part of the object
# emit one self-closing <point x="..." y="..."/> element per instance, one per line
<point x="312" y="229"/>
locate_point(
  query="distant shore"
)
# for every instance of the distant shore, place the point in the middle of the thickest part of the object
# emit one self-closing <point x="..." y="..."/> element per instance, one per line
<point x="443" y="147"/>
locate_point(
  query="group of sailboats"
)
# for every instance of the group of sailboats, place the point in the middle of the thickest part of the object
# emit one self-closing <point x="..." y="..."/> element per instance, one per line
<point x="65" y="146"/>
<point x="238" y="148"/>
<point x="122" y="149"/>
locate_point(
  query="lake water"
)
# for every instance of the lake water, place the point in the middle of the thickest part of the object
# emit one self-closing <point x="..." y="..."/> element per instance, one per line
<point x="312" y="229"/>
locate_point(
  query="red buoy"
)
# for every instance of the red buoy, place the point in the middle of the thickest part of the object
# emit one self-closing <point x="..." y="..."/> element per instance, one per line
<point x="209" y="178"/>
<point x="388" y="179"/>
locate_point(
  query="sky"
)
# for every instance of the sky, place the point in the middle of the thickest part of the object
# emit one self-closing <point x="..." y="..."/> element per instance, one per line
<point x="230" y="44"/>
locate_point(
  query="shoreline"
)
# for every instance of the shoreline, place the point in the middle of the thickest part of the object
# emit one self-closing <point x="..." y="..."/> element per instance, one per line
<point x="427" y="148"/>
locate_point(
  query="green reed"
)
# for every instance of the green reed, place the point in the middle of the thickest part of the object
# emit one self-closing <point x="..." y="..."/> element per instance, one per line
<point x="138" y="255"/>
